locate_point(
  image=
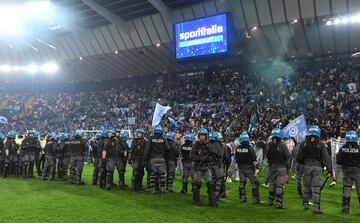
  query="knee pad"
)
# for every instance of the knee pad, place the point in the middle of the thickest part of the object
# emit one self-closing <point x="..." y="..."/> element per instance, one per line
<point x="242" y="185"/>
<point x="210" y="184"/>
<point x="197" y="185"/>
<point x="256" y="183"/>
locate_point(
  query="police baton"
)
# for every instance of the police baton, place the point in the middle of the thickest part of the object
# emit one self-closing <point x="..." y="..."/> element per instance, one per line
<point x="323" y="185"/>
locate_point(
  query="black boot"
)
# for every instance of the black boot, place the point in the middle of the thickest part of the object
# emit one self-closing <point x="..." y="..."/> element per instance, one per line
<point x="134" y="185"/>
<point x="256" y="196"/>
<point x="317" y="209"/>
<point x="279" y="201"/>
<point x="212" y="195"/>
<point x="196" y="198"/>
<point x="184" y="188"/>
<point x="25" y="172"/>
<point x="196" y="194"/>
<point x="242" y="195"/>
<point x="6" y="170"/>
<point x="122" y="184"/>
<point x="306" y="206"/>
<point x="346" y="205"/>
<point x="108" y="181"/>
<point x="271" y="198"/>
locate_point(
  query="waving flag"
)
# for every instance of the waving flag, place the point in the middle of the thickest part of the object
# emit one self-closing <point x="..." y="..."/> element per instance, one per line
<point x="173" y="122"/>
<point x="297" y="129"/>
<point x="252" y="125"/>
<point x="160" y="110"/>
<point x="3" y="120"/>
<point x="354" y="87"/>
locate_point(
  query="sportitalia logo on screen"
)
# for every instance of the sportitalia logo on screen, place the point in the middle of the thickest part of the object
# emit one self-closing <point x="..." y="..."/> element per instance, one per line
<point x="203" y="31"/>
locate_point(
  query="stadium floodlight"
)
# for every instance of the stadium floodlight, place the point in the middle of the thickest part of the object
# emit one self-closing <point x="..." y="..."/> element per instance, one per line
<point x="32" y="68"/>
<point x="336" y="21"/>
<point x="329" y="23"/>
<point x="49" y="68"/>
<point x="5" y="68"/>
<point x="355" y="19"/>
<point x="16" y="18"/>
<point x="16" y="68"/>
<point x="345" y="20"/>
<point x="37" y="7"/>
<point x="11" y="21"/>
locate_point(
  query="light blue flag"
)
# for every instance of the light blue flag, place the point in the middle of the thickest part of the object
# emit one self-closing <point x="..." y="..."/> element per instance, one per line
<point x="173" y="122"/>
<point x="3" y="120"/>
<point x="297" y="129"/>
<point x="160" y="110"/>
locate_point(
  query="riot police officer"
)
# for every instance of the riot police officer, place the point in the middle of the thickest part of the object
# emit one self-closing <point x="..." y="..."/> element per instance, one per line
<point x="11" y="155"/>
<point x="246" y="160"/>
<point x="123" y="138"/>
<point x="201" y="156"/>
<point x="29" y="147"/>
<point x="154" y="155"/>
<point x="136" y="159"/>
<point x="50" y="158"/>
<point x="313" y="156"/>
<point x="225" y="160"/>
<point x="349" y="159"/>
<point x="116" y="151"/>
<point x="64" y="150"/>
<point x="278" y="157"/>
<point x="101" y="178"/>
<point x="78" y="149"/>
<point x="95" y="156"/>
<point x="37" y="160"/>
<point x="217" y="168"/>
<point x="171" y="160"/>
<point x="188" y="169"/>
<point x="2" y="154"/>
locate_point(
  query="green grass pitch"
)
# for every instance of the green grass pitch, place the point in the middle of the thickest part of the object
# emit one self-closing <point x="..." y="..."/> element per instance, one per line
<point x="35" y="200"/>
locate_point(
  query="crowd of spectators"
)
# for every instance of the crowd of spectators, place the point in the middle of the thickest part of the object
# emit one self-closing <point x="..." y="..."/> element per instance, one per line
<point x="210" y="99"/>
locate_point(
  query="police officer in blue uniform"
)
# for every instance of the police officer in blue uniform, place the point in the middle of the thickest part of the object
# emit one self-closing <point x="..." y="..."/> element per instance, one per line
<point x="188" y="168"/>
<point x="171" y="160"/>
<point x="2" y="153"/>
<point x="50" y="158"/>
<point x="64" y="152"/>
<point x="29" y="147"/>
<point x="95" y="156"/>
<point x="313" y="156"/>
<point x="201" y="156"/>
<point x="136" y="160"/>
<point x="349" y="159"/>
<point x="11" y="158"/>
<point x="246" y="160"/>
<point x="101" y="178"/>
<point x="154" y="155"/>
<point x="217" y="167"/>
<point x="116" y="151"/>
<point x="78" y="149"/>
<point x="278" y="157"/>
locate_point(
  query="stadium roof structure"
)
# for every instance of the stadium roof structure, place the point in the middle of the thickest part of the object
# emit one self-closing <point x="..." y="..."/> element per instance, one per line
<point x="111" y="39"/>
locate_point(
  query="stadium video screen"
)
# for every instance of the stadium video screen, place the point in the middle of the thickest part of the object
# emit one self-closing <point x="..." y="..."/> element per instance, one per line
<point x="202" y="37"/>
